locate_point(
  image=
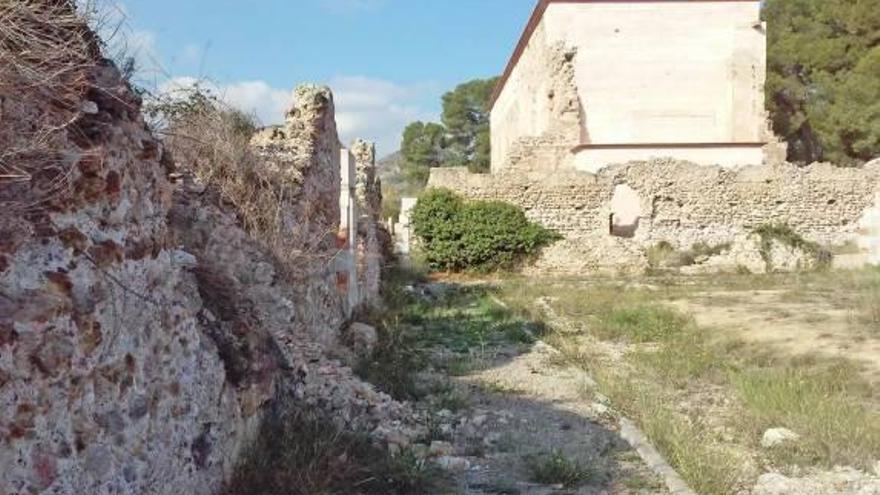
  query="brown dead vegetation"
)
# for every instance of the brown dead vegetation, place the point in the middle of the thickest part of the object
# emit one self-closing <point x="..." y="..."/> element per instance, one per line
<point x="47" y="53"/>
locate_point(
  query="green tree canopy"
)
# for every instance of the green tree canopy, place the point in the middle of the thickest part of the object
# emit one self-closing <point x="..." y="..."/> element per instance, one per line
<point x="461" y="140"/>
<point x="823" y="85"/>
<point x="466" y="117"/>
<point x="422" y="148"/>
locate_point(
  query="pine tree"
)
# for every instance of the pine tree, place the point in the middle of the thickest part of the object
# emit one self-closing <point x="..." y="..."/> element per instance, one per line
<point x="823" y="85"/>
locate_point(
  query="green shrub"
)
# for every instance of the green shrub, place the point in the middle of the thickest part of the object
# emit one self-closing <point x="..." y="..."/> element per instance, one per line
<point x="456" y="235"/>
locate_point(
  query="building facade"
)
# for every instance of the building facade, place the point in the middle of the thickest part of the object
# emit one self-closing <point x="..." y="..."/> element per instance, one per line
<point x="596" y="82"/>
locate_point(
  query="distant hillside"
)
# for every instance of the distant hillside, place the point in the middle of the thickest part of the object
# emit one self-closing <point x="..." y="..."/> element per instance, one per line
<point x="390" y="171"/>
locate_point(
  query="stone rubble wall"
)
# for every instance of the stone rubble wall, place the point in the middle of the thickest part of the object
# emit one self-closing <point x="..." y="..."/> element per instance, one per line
<point x="306" y="150"/>
<point x="370" y="228"/>
<point x="680" y="203"/>
<point x="108" y="383"/>
<point x="143" y="332"/>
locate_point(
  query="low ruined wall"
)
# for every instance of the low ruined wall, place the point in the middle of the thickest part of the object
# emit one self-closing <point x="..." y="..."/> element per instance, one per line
<point x="678" y="202"/>
<point x="594" y="159"/>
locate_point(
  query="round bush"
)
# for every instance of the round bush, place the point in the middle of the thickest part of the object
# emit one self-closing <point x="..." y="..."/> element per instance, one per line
<point x="456" y="235"/>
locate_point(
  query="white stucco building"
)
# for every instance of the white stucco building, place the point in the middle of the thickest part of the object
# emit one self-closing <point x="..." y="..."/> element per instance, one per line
<point x="594" y="82"/>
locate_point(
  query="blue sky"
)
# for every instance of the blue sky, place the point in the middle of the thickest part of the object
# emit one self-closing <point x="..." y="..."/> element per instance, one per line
<point x="388" y="61"/>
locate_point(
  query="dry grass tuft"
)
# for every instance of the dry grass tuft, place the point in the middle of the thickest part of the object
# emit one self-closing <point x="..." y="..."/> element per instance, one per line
<point x="299" y="453"/>
<point x="47" y="53"/>
<point x="211" y="143"/>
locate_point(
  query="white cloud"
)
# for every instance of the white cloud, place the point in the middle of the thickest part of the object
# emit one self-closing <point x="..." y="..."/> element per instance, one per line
<point x="351" y="6"/>
<point x="258" y="98"/>
<point x="368" y="108"/>
<point x="377" y="110"/>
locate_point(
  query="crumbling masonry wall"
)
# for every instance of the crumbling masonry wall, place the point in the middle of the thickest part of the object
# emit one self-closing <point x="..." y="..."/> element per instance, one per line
<point x="680" y="203"/>
<point x="143" y="331"/>
<point x="370" y="229"/>
<point x="305" y="152"/>
<point x="108" y="383"/>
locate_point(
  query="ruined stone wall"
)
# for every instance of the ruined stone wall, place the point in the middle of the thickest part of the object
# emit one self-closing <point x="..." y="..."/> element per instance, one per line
<point x="107" y="382"/>
<point x="305" y="151"/>
<point x="143" y="331"/>
<point x="370" y="229"/>
<point x="679" y="202"/>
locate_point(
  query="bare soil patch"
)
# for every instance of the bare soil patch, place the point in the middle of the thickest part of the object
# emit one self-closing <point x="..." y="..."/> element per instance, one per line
<point x="795" y="323"/>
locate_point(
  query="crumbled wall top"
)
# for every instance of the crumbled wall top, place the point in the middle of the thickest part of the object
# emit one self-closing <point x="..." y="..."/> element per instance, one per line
<point x="306" y="148"/>
<point x="369" y="187"/>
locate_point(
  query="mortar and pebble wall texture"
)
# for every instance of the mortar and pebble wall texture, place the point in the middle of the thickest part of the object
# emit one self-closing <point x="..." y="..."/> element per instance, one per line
<point x="679" y="202"/>
<point x="143" y="332"/>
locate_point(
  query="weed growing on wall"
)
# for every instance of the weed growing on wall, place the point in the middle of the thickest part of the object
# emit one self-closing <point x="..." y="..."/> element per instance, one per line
<point x="785" y="235"/>
<point x="458" y="235"/>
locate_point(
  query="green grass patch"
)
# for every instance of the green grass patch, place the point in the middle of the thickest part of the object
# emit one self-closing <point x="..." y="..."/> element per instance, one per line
<point x="639" y="324"/>
<point x="466" y="322"/>
<point x="688" y="445"/>
<point x="707" y="467"/>
<point x="683" y="358"/>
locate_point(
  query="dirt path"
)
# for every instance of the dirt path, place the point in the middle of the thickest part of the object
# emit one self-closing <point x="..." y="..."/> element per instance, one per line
<point x="549" y="409"/>
<point x="531" y="425"/>
<point x="513" y="415"/>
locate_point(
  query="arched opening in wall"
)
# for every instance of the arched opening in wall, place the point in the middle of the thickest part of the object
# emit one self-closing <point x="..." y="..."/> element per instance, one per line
<point x="625" y="212"/>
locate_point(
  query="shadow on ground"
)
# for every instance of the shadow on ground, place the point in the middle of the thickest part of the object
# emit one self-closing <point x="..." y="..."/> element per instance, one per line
<point x="504" y="416"/>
